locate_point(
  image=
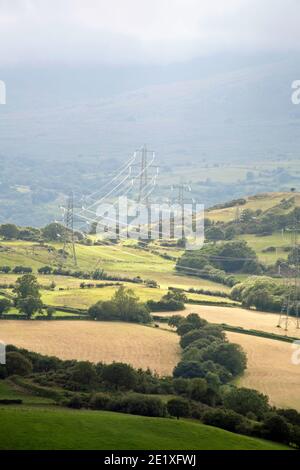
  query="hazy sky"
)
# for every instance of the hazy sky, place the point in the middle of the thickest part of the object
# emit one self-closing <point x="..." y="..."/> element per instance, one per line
<point x="142" y="31"/>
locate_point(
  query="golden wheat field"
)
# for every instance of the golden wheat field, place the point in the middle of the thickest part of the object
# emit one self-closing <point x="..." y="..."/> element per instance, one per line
<point x="270" y="369"/>
<point x="140" y="346"/>
<point x="235" y="316"/>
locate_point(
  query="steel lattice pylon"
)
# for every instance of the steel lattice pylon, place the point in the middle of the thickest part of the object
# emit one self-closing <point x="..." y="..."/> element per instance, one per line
<point x="69" y="239"/>
<point x="291" y="304"/>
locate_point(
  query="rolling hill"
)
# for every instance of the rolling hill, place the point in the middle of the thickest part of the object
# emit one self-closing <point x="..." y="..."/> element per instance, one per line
<point x="62" y="429"/>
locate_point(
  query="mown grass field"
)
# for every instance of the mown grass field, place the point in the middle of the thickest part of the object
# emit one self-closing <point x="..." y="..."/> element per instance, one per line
<point x="237" y="316"/>
<point x="44" y="429"/>
<point x="270" y="369"/>
<point x="143" y="347"/>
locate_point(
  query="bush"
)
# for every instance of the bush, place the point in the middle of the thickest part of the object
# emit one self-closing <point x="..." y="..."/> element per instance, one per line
<point x="22" y="270"/>
<point x="139" y="405"/>
<point x="244" y="401"/>
<point x="84" y="373"/>
<point x="205" y="332"/>
<point x="185" y="327"/>
<point x="179" y="407"/>
<point x="5" y="269"/>
<point x="9" y="231"/>
<point x="181" y="386"/>
<point x="17" y="364"/>
<point x="229" y="355"/>
<point x="189" y="370"/>
<point x="119" y="376"/>
<point x="75" y="402"/>
<point x="123" y="306"/>
<point x="291" y="415"/>
<point x="100" y="401"/>
<point x="198" y="389"/>
<point x="224" y="419"/>
<point x="5" y="305"/>
<point x="165" y="306"/>
<point x="276" y="428"/>
<point x="175" y="320"/>
<point x="174" y="300"/>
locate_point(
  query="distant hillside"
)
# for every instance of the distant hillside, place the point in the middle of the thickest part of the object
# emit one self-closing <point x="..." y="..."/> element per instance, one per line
<point x="266" y="202"/>
<point x="230" y="130"/>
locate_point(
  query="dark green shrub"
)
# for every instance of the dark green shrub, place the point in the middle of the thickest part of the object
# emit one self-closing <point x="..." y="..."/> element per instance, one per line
<point x="119" y="376"/>
<point x="17" y="364"/>
<point x="139" y="405"/>
<point x="100" y="401"/>
<point x="75" y="402"/>
<point x="179" y="407"/>
<point x="224" y="419"/>
<point x="276" y="428"/>
<point x="245" y="400"/>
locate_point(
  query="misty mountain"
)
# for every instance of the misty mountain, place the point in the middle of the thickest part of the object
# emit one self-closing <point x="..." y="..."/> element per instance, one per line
<point x="63" y="130"/>
<point x="242" y="114"/>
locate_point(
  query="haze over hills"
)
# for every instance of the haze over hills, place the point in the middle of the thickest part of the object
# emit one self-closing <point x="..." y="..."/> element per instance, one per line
<point x="228" y="111"/>
<point x="239" y="113"/>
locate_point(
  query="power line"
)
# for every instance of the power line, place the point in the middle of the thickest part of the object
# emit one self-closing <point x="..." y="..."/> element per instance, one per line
<point x="68" y="233"/>
<point x="291" y="303"/>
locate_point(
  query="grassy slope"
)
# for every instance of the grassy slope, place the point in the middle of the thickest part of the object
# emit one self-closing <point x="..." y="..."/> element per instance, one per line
<point x="12" y="392"/>
<point x="119" y="260"/>
<point x="65" y="429"/>
<point x="262" y="201"/>
<point x="276" y="240"/>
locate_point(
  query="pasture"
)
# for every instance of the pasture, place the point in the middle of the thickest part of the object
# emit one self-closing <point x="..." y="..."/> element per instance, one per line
<point x="261" y="201"/>
<point x="279" y="241"/>
<point x="61" y="429"/>
<point x="141" y="346"/>
<point x="84" y="298"/>
<point x="120" y="260"/>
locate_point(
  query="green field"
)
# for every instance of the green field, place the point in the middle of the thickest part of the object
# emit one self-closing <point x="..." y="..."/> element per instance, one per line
<point x="276" y="240"/>
<point x="12" y="392"/>
<point x="118" y="260"/>
<point x="84" y="298"/>
<point x="261" y="201"/>
<point x="43" y="428"/>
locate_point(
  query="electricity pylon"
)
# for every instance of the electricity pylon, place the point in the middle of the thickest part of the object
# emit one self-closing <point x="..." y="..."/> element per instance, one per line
<point x="147" y="182"/>
<point x="181" y="188"/>
<point x="291" y="303"/>
<point x="68" y="234"/>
